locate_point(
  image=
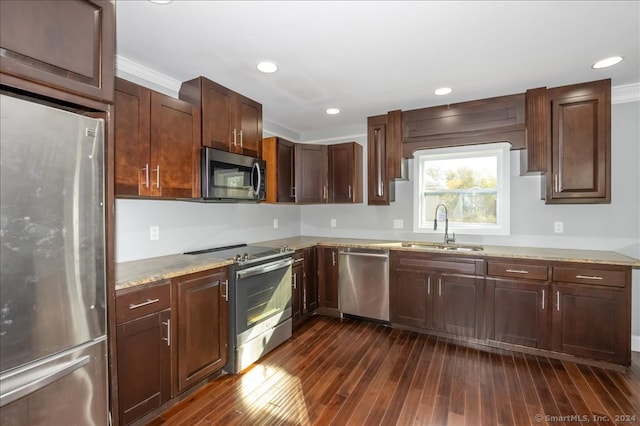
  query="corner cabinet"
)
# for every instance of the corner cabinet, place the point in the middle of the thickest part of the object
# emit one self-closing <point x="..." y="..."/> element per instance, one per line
<point x="67" y="45"/>
<point x="230" y="121"/>
<point x="345" y="173"/>
<point x="279" y="155"/>
<point x="201" y="325"/>
<point x="311" y="174"/>
<point x="156" y="144"/>
<point x="580" y="163"/>
<point x="143" y="334"/>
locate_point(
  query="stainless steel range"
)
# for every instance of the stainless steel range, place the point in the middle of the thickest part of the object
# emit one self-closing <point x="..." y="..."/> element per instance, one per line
<point x="259" y="301"/>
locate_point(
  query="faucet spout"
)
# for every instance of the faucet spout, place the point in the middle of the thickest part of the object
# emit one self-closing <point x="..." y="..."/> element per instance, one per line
<point x="447" y="239"/>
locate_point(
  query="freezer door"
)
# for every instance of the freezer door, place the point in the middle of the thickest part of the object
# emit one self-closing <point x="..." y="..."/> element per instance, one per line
<point x="67" y="389"/>
<point x="52" y="266"/>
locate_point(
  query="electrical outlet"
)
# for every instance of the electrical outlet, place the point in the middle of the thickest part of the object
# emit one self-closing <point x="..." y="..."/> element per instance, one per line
<point x="558" y="227"/>
<point x="275" y="223"/>
<point x="398" y="223"/>
<point x="154" y="233"/>
<point x="333" y="223"/>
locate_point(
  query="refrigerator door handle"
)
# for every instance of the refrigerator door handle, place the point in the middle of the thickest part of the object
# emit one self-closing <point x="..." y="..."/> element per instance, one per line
<point x="21" y="389"/>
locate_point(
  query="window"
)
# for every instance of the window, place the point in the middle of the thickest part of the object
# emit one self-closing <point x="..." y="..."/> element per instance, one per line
<point x="473" y="182"/>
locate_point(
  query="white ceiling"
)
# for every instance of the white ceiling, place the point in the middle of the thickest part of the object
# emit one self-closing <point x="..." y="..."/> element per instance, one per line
<point x="370" y="57"/>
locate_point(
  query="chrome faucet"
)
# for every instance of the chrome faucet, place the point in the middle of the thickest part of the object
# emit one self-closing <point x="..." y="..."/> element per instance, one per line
<point x="447" y="240"/>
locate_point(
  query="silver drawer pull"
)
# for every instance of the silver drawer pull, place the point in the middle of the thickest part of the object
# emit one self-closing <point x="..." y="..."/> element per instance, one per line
<point x="589" y="277"/>
<point x="517" y="271"/>
<point x="140" y="305"/>
<point x="168" y="338"/>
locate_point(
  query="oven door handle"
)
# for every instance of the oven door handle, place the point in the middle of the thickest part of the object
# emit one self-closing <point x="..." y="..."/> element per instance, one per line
<point x="264" y="268"/>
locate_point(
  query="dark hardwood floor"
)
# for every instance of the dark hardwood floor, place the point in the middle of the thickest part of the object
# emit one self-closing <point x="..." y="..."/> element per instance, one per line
<point x="348" y="372"/>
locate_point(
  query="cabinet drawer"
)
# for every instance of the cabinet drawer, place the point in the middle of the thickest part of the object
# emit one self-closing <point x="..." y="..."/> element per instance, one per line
<point x="138" y="302"/>
<point x="517" y="270"/>
<point x="607" y="277"/>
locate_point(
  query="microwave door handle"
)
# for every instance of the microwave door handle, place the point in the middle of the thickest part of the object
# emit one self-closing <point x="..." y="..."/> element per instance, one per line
<point x="256" y="169"/>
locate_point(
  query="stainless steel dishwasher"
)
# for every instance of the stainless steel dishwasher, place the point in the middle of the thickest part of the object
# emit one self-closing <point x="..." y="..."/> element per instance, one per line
<point x="363" y="283"/>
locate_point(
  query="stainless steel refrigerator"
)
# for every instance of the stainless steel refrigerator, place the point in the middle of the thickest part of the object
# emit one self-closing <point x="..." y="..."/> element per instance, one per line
<point x="53" y="344"/>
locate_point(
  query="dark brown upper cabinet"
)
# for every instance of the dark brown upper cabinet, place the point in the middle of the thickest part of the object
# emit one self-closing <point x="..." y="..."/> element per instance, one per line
<point x="580" y="162"/>
<point x="345" y="173"/>
<point x="230" y="121"/>
<point x="68" y="45"/>
<point x="311" y="174"/>
<point x="279" y="155"/>
<point x="157" y="141"/>
<point x="384" y="157"/>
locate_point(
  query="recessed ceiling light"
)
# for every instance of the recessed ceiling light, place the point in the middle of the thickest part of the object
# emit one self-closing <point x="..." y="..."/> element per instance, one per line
<point x="607" y="62"/>
<point x="267" y="67"/>
<point x="333" y="111"/>
<point x="161" y="1"/>
<point x="443" y="91"/>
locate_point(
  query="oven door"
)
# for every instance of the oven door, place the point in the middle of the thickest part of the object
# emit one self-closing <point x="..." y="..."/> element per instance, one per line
<point x="262" y="298"/>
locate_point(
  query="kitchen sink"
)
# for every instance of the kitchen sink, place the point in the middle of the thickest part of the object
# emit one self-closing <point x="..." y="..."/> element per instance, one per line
<point x="440" y="246"/>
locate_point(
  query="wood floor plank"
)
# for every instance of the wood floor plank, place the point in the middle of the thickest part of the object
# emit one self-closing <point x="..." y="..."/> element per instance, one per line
<point x="345" y="371"/>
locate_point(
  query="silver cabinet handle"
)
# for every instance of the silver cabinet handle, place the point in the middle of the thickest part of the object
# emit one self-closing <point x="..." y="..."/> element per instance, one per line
<point x="294" y="279"/>
<point x="304" y="299"/>
<point x="589" y="277"/>
<point x="349" y="187"/>
<point x="439" y="286"/>
<point x="324" y="192"/>
<point x="517" y="271"/>
<point x="22" y="389"/>
<point x="140" y="305"/>
<point x="293" y="192"/>
<point x="333" y="257"/>
<point x="168" y="338"/>
<point x="555" y="182"/>
<point x="558" y="301"/>
<point x="429" y="285"/>
<point x="158" y="176"/>
<point x="378" y="140"/>
<point x="226" y="290"/>
<point x="146" y="175"/>
<point x="234" y="137"/>
<point x="543" y="299"/>
<point x="240" y="138"/>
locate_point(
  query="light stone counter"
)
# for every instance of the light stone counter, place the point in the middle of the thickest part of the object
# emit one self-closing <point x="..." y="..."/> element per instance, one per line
<point x="129" y="274"/>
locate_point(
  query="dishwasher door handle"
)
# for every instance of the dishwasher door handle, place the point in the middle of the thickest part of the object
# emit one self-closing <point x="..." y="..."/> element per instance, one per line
<point x="352" y="253"/>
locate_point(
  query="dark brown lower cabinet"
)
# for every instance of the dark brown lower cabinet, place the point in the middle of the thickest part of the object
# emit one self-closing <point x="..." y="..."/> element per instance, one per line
<point x="518" y="312"/>
<point x="592" y="322"/>
<point x="328" y="277"/>
<point x="143" y="339"/>
<point x="144" y="365"/>
<point x="304" y="293"/>
<point x="201" y="325"/>
<point x="297" y="289"/>
<point x="437" y="293"/>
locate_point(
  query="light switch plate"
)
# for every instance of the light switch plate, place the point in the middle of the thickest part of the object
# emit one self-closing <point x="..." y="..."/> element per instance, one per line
<point x="333" y="223"/>
<point x="154" y="233"/>
<point x="398" y="224"/>
<point x="558" y="227"/>
<point x="275" y="223"/>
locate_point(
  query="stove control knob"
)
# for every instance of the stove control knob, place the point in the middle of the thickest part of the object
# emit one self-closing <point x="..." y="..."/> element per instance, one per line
<point x="284" y="248"/>
<point x="245" y="256"/>
<point x="237" y="258"/>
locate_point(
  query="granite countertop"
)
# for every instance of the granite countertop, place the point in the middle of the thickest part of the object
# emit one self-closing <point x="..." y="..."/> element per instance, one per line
<point x="130" y="274"/>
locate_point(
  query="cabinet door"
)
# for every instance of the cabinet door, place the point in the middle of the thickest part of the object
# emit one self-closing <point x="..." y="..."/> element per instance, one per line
<point x="580" y="144"/>
<point x="297" y="282"/>
<point x="202" y="325"/>
<point x="328" y="277"/>
<point x="249" y="126"/>
<point x="518" y="312"/>
<point x="132" y="133"/>
<point x="591" y="322"/>
<point x="377" y="180"/>
<point x="345" y="173"/>
<point x="311" y="173"/>
<point x="459" y="305"/>
<point x="144" y="365"/>
<point x="218" y="115"/>
<point x="174" y="148"/>
<point x="411" y="299"/>
<point x="310" y="289"/>
<point x="285" y="154"/>
<point x="68" y="45"/>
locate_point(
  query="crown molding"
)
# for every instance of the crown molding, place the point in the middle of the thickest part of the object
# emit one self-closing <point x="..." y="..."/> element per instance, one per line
<point x="625" y="93"/>
<point x="163" y="82"/>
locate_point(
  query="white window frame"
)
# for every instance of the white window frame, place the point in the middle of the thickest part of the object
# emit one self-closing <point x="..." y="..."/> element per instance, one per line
<point x="503" y="211"/>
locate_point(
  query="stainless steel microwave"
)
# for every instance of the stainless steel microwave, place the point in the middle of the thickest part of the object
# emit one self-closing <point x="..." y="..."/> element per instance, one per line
<point x="231" y="177"/>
